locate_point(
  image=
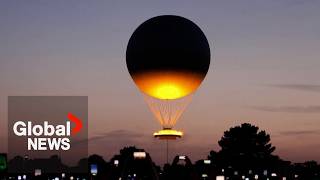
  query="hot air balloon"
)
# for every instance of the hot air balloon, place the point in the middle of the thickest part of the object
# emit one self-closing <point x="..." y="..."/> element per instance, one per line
<point x="168" y="57"/>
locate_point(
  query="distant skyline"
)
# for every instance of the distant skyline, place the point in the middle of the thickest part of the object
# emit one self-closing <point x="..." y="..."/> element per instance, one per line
<point x="264" y="70"/>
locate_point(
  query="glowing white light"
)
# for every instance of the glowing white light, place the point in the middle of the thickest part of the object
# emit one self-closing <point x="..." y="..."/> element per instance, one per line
<point x="182" y="157"/>
<point x="37" y="172"/>
<point x="139" y="155"/>
<point x="265" y="172"/>
<point x="207" y="161"/>
<point x="94" y="169"/>
<point x="220" y="178"/>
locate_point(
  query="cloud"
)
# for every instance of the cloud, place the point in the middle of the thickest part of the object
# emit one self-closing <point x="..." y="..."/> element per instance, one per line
<point x="113" y="135"/>
<point x="117" y="134"/>
<point x="301" y="87"/>
<point x="299" y="132"/>
<point x="290" y="109"/>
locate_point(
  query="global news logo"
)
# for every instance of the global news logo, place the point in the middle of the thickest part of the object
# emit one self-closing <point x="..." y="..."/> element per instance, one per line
<point x="46" y="136"/>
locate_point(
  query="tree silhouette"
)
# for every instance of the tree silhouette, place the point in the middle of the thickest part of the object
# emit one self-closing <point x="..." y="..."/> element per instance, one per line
<point x="134" y="168"/>
<point x="245" y="147"/>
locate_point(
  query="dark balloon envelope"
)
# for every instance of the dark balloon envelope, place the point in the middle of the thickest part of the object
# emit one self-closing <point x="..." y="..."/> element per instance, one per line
<point x="168" y="57"/>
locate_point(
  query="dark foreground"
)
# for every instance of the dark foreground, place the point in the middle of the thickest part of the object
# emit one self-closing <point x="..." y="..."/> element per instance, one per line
<point x="246" y="153"/>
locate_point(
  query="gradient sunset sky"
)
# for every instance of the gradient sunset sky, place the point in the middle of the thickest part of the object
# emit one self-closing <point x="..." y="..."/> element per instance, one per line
<point x="265" y="70"/>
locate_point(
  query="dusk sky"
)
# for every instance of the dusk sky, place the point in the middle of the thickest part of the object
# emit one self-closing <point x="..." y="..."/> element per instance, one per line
<point x="265" y="61"/>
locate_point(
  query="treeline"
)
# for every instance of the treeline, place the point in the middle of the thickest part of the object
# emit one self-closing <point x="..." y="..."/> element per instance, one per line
<point x="245" y="153"/>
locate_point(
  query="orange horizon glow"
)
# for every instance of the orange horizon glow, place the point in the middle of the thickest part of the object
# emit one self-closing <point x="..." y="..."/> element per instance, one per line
<point x="168" y="85"/>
